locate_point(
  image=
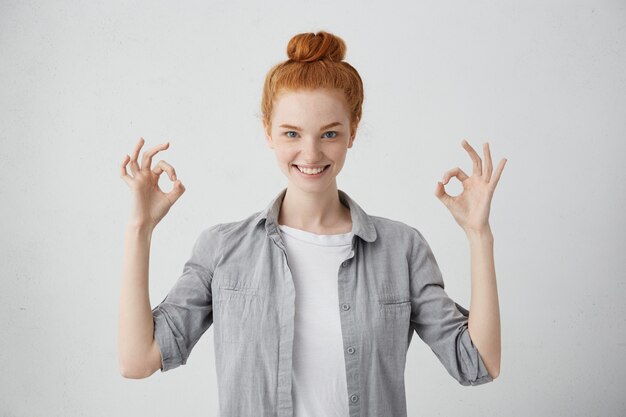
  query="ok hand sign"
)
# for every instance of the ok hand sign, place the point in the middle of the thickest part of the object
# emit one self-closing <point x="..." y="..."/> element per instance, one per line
<point x="470" y="209"/>
<point x="151" y="204"/>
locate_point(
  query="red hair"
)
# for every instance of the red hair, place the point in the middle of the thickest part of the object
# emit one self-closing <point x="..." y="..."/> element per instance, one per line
<point x="315" y="61"/>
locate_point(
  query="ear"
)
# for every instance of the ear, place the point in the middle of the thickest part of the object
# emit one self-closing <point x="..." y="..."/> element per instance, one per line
<point x="351" y="141"/>
<point x="268" y="136"/>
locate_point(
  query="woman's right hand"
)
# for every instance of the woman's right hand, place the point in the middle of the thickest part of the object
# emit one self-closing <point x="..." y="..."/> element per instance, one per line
<point x="150" y="203"/>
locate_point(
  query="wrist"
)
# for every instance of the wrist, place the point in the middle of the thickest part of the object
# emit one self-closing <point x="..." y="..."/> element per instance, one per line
<point x="479" y="234"/>
<point x="139" y="228"/>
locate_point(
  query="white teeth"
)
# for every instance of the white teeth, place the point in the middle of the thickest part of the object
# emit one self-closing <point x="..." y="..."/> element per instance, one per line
<point x="310" y="171"/>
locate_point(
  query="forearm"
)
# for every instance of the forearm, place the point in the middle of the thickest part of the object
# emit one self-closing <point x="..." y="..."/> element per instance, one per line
<point x="136" y="325"/>
<point x="484" y="318"/>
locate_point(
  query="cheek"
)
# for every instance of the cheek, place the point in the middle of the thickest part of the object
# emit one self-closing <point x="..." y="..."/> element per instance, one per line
<point x="337" y="154"/>
<point x="283" y="155"/>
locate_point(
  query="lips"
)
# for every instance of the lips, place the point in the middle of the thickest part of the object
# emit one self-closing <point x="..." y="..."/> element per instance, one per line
<point x="323" y="166"/>
<point x="312" y="176"/>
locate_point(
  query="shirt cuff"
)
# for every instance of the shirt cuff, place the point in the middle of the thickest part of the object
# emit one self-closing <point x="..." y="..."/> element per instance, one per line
<point x="167" y="338"/>
<point x="475" y="370"/>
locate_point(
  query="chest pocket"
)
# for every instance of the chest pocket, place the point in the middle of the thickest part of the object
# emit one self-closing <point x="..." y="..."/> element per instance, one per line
<point x="391" y="322"/>
<point x="394" y="307"/>
<point x="236" y="310"/>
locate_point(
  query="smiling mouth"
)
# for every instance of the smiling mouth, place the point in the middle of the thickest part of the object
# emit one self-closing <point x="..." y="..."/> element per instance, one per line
<point x="298" y="166"/>
<point x="319" y="173"/>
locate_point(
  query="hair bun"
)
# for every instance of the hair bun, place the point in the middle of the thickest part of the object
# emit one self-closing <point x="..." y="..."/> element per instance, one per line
<point x="308" y="47"/>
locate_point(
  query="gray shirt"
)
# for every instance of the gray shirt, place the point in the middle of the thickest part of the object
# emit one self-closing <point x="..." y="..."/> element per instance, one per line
<point x="238" y="279"/>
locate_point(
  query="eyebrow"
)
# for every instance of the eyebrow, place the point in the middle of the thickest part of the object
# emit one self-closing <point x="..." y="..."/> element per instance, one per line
<point x="299" y="128"/>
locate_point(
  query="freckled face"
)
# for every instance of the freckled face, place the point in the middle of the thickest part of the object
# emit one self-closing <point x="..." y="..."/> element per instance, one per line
<point x="310" y="127"/>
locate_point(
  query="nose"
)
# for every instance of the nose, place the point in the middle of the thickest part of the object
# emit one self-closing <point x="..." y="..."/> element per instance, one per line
<point x="311" y="150"/>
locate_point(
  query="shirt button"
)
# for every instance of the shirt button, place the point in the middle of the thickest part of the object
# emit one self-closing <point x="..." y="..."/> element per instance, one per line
<point x="345" y="306"/>
<point x="354" y="398"/>
<point x="351" y="350"/>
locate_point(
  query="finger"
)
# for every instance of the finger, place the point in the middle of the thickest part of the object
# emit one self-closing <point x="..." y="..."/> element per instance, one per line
<point x="123" y="173"/>
<point x="164" y="166"/>
<point x="478" y="165"/>
<point x="134" y="166"/>
<point x="488" y="163"/>
<point x="176" y="191"/>
<point x="496" y="177"/>
<point x="441" y="194"/>
<point x="454" y="172"/>
<point x="146" y="160"/>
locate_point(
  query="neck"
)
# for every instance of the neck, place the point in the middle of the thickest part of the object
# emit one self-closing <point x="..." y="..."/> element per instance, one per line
<point x="314" y="212"/>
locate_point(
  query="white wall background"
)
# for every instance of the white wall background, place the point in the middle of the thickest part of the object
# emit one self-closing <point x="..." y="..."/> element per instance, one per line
<point x="543" y="82"/>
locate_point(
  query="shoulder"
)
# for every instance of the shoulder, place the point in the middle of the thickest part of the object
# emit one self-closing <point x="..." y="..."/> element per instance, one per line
<point x="396" y="235"/>
<point x="387" y="228"/>
<point x="233" y="231"/>
<point x="236" y="236"/>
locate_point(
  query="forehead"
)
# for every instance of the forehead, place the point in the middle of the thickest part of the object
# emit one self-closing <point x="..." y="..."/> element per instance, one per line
<point x="294" y="105"/>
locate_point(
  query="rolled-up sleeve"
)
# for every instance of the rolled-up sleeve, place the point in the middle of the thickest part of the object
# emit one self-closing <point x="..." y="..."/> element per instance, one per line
<point x="186" y="311"/>
<point x="439" y="321"/>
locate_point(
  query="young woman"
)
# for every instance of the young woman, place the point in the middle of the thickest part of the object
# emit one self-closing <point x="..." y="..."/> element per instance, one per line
<point x="313" y="301"/>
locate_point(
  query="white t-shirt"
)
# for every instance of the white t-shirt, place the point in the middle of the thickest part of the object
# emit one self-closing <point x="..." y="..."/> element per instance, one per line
<point x="319" y="373"/>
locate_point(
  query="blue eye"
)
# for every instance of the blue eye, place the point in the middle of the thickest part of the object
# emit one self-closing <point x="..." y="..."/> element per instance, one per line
<point x="330" y="131"/>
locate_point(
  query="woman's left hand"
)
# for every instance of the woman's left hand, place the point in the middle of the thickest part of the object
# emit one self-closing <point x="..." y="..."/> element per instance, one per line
<point x="470" y="209"/>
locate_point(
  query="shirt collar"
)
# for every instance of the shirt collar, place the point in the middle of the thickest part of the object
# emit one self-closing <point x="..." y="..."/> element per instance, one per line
<point x="362" y="224"/>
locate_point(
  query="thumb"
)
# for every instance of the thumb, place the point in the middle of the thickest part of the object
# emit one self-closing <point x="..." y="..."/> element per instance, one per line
<point x="177" y="190"/>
